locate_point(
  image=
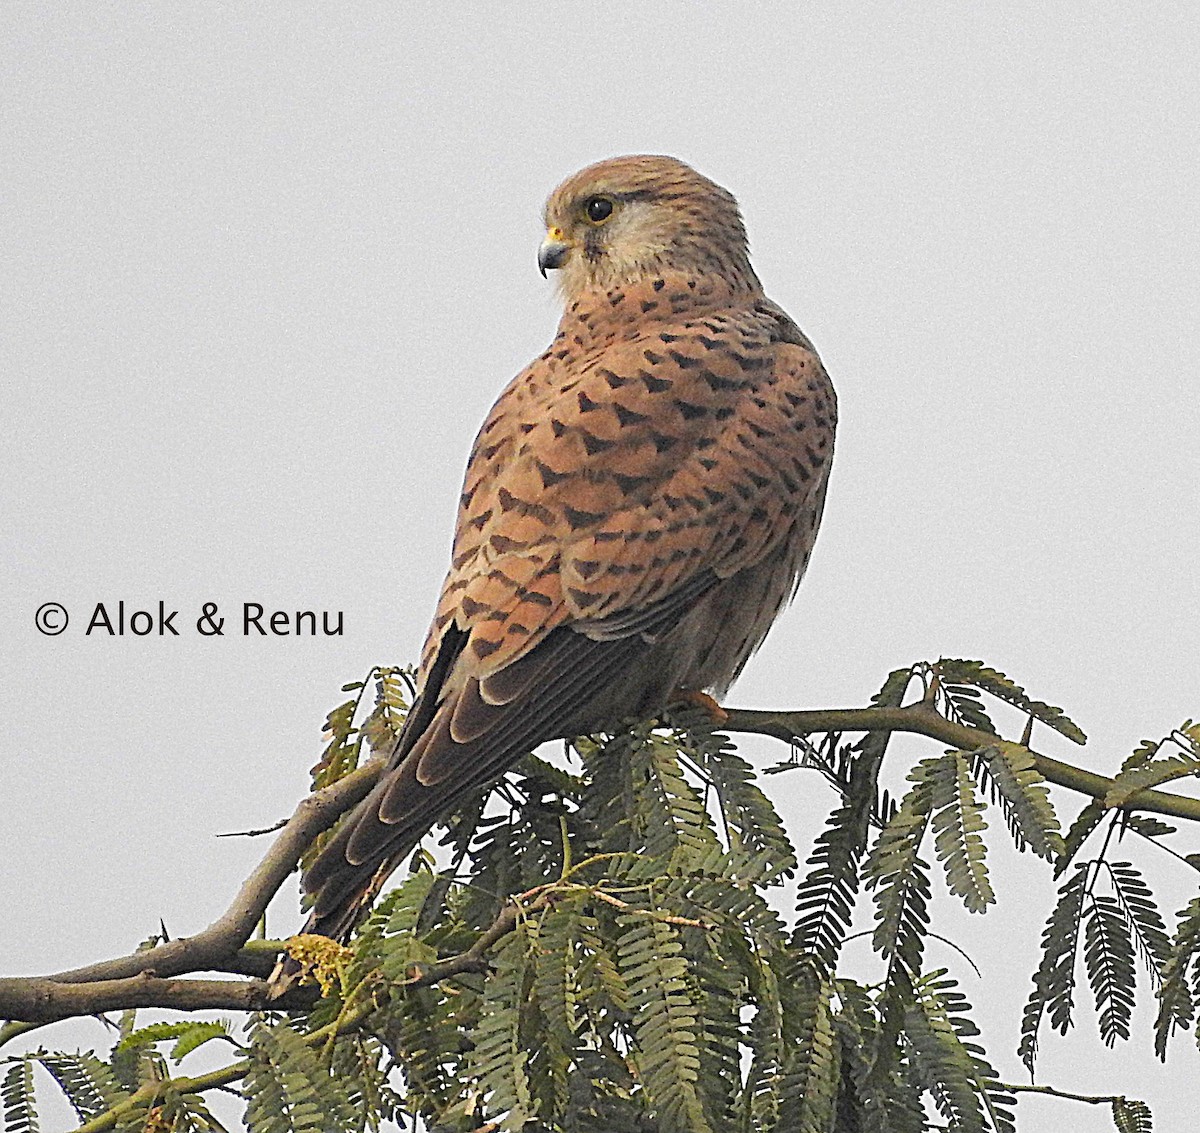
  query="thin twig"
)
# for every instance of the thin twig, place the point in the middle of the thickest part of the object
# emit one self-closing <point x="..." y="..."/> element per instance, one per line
<point x="1091" y="1099"/>
<point x="254" y="833"/>
<point x="932" y="936"/>
<point x="626" y="907"/>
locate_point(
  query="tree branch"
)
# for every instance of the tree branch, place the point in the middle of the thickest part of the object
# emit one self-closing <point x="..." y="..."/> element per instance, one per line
<point x="47" y="1000"/>
<point x="474" y="959"/>
<point x="922" y="720"/>
<point x="221" y="941"/>
<point x="141" y="979"/>
<point x="144" y="979"/>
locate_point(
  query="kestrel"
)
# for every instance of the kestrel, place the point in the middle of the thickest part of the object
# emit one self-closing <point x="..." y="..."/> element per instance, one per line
<point x="639" y="505"/>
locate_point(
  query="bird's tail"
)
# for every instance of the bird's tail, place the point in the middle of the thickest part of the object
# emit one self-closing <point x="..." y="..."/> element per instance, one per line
<point x="336" y="915"/>
<point x="343" y="888"/>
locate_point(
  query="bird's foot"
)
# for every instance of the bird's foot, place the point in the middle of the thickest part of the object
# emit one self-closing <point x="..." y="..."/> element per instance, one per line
<point x="693" y="698"/>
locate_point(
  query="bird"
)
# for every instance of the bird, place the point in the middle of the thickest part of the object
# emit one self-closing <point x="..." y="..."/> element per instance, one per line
<point x="638" y="507"/>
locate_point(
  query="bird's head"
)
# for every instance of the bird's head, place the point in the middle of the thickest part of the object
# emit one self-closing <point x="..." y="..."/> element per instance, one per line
<point x="630" y="217"/>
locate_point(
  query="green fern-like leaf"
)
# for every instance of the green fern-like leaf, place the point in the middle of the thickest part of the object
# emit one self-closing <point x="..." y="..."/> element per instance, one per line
<point x="89" y="1084"/>
<point x="495" y="857"/>
<point x="340" y="756"/>
<point x="728" y="960"/>
<point x="1178" y="994"/>
<point x="981" y="676"/>
<point x="289" y="1090"/>
<point x="957" y="819"/>
<point x="890" y="695"/>
<point x="899" y="877"/>
<point x="759" y="1101"/>
<point x="1108" y="957"/>
<point x="268" y="1108"/>
<point x="197" y="1036"/>
<point x="19" y="1099"/>
<point x="1015" y="783"/>
<point x="901" y="881"/>
<point x="1054" y="980"/>
<point x="1143" y="753"/>
<point x="947" y="1013"/>
<point x="178" y="1112"/>
<point x="189" y="1035"/>
<point x="338" y="759"/>
<point x="965" y="704"/>
<point x="674" y="819"/>
<point x="423" y="1030"/>
<point x="537" y="774"/>
<point x="716" y="979"/>
<point x="826" y="896"/>
<point x="1145" y="824"/>
<point x="1142" y="916"/>
<point x="1131" y="1116"/>
<point x="514" y="853"/>
<point x="500" y="1059"/>
<point x="400" y="951"/>
<point x="394" y="690"/>
<point x="605" y="1096"/>
<point x="811" y="1076"/>
<point x="713" y="893"/>
<point x="1153" y="773"/>
<point x="602" y="988"/>
<point x="901" y="916"/>
<point x="665" y="1022"/>
<point x="637" y="800"/>
<point x="554" y="960"/>
<point x="892" y="1075"/>
<point x="863" y="1107"/>
<point x="359" y="1062"/>
<point x="609" y="792"/>
<point x="943" y="1066"/>
<point x="756" y="834"/>
<point x="554" y="950"/>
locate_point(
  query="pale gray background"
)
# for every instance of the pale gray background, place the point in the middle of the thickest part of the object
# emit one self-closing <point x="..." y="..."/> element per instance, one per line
<point x="265" y="266"/>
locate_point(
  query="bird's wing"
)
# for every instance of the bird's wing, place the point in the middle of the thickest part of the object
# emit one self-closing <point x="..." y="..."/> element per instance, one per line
<point x="596" y="490"/>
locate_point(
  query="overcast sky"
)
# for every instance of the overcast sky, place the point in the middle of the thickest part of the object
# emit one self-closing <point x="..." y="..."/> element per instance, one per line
<point x="265" y="267"/>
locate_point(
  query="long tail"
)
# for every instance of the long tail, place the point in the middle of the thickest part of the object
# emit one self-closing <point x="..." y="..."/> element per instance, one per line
<point x="455" y="740"/>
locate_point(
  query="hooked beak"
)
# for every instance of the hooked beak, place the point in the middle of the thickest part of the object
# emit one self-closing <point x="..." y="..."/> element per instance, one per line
<point x="553" y="252"/>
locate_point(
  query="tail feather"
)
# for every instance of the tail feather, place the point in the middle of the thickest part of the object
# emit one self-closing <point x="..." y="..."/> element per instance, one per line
<point x="456" y="740"/>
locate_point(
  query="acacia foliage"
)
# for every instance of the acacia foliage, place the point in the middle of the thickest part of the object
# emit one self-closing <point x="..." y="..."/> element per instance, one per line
<point x="644" y="978"/>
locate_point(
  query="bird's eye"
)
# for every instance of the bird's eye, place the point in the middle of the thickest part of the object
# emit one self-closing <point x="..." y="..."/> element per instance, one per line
<point x="598" y="209"/>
